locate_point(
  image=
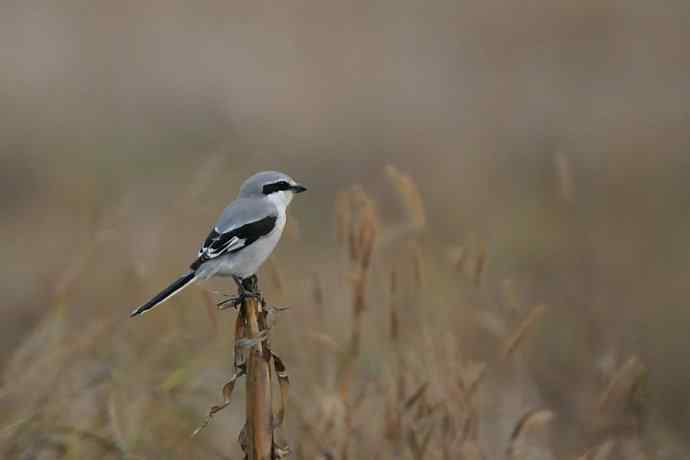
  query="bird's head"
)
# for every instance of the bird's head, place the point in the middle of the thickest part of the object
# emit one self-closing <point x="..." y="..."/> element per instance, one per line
<point x="275" y="186"/>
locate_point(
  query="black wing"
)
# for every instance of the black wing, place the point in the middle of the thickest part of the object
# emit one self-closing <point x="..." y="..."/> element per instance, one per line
<point x="218" y="244"/>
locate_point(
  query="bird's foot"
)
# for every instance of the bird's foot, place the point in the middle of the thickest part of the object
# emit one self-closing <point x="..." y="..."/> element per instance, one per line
<point x="231" y="302"/>
<point x="246" y="289"/>
<point x="237" y="301"/>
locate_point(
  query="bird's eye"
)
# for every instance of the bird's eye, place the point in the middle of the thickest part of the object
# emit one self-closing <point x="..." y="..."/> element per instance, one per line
<point x="276" y="187"/>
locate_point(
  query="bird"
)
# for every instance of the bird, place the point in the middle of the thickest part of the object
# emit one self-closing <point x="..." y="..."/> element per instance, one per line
<point x="244" y="236"/>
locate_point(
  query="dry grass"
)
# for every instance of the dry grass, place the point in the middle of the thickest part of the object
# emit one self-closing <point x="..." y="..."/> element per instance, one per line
<point x="394" y="352"/>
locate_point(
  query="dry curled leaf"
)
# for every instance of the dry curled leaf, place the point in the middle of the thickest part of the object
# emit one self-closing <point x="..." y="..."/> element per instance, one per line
<point x="228" y="389"/>
<point x="284" y="385"/>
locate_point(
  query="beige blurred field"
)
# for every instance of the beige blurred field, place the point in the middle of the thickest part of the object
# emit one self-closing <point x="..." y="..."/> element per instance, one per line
<point x="526" y="174"/>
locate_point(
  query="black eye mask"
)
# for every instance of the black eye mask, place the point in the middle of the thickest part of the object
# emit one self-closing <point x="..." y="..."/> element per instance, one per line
<point x="276" y="187"/>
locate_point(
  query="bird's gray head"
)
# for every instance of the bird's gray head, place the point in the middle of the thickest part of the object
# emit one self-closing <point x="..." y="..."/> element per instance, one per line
<point x="275" y="186"/>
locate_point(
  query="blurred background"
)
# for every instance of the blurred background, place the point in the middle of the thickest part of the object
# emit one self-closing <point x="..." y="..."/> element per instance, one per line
<point x="549" y="138"/>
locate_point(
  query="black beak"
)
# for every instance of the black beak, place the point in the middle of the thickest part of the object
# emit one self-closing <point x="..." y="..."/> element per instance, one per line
<point x="298" y="188"/>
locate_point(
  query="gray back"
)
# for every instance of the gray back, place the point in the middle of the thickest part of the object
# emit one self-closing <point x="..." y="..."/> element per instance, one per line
<point x="243" y="211"/>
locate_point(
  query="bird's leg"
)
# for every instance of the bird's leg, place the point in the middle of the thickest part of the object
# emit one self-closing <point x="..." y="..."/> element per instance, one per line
<point x="246" y="288"/>
<point x="250" y="285"/>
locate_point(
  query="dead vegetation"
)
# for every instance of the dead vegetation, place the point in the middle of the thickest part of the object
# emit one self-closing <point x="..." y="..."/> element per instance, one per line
<point x="378" y="347"/>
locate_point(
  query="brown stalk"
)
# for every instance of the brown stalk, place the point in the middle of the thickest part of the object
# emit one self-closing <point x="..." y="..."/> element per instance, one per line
<point x="259" y="424"/>
<point x="253" y="358"/>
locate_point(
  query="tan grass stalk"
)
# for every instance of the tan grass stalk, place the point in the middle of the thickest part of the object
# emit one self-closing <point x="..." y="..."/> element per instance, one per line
<point x="530" y="422"/>
<point x="623" y="385"/>
<point x="418" y="266"/>
<point x="600" y="452"/>
<point x="362" y="240"/>
<point x="480" y="264"/>
<point x="512" y="343"/>
<point x="411" y="198"/>
<point x="361" y="236"/>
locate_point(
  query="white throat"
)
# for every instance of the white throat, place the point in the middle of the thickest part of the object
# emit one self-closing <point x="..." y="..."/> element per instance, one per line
<point x="281" y="199"/>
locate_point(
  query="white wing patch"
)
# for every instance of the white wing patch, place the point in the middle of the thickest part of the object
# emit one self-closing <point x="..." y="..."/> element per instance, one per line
<point x="232" y="244"/>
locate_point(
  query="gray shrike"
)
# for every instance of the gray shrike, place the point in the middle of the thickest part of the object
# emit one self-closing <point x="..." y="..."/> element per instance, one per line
<point x="244" y="236"/>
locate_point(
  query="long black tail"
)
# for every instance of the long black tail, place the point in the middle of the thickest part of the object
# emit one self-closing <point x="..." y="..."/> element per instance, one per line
<point x="166" y="293"/>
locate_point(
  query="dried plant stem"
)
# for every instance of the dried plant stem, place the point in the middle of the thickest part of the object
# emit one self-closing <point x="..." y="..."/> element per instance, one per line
<point x="395" y="405"/>
<point x="253" y="358"/>
<point x="259" y="425"/>
<point x="361" y="236"/>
